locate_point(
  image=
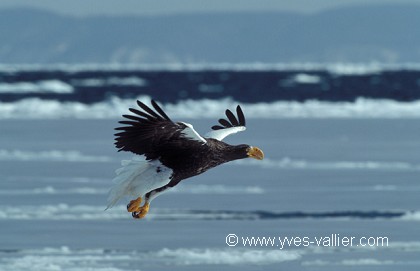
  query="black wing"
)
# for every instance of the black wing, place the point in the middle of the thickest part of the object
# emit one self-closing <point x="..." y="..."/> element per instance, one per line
<point x="148" y="132"/>
<point x="231" y="120"/>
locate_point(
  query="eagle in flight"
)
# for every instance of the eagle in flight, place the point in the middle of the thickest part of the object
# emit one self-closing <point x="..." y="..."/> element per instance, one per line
<point x="169" y="152"/>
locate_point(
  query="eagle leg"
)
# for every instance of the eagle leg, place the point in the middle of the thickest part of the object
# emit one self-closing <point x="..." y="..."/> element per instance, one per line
<point x="142" y="212"/>
<point x="134" y="205"/>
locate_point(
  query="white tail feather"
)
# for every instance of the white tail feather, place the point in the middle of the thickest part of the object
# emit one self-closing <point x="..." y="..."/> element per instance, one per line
<point x="137" y="177"/>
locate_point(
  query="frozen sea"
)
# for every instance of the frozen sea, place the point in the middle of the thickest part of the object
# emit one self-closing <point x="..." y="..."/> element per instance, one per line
<point x="352" y="177"/>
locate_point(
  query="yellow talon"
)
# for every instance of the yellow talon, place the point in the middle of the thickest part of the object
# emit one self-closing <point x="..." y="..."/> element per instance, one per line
<point x="134" y="205"/>
<point x="142" y="212"/>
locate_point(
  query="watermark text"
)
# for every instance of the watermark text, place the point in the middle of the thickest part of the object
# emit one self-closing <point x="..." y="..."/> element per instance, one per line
<point x="283" y="242"/>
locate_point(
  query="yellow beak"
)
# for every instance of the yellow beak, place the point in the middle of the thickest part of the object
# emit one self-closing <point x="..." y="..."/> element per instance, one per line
<point x="256" y="153"/>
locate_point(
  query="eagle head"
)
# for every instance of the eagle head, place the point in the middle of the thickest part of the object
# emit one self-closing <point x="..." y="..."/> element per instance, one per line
<point x="241" y="152"/>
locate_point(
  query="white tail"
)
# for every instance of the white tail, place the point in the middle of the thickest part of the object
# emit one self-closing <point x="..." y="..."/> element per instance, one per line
<point x="137" y="177"/>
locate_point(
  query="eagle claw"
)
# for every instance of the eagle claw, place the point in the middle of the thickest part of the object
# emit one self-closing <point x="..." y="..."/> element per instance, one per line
<point x="134" y="205"/>
<point x="142" y="212"/>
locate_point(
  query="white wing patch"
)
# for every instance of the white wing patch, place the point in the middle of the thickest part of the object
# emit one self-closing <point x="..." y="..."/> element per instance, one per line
<point x="137" y="177"/>
<point x="222" y="133"/>
<point x="190" y="133"/>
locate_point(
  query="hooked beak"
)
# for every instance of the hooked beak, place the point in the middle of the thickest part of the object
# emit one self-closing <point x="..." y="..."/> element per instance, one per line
<point x="255" y="153"/>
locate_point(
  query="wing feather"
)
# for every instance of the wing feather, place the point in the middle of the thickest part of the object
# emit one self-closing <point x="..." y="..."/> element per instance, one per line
<point x="217" y="127"/>
<point x="228" y="126"/>
<point x="225" y="123"/>
<point x="241" y="116"/>
<point x="142" y="114"/>
<point x="127" y="122"/>
<point x="133" y="117"/>
<point x="232" y="118"/>
<point x="161" y="112"/>
<point x="152" y="133"/>
<point x="148" y="110"/>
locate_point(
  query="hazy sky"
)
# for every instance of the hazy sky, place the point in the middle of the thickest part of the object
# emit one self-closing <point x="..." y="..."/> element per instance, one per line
<point x="117" y="7"/>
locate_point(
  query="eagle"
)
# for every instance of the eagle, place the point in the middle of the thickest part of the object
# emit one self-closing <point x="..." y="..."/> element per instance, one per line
<point x="168" y="152"/>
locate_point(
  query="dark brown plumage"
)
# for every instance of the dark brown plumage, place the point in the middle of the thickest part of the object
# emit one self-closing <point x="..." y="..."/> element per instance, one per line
<point x="177" y="146"/>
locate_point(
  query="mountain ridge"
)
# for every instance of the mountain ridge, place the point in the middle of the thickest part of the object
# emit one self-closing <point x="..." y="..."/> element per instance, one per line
<point x="383" y="33"/>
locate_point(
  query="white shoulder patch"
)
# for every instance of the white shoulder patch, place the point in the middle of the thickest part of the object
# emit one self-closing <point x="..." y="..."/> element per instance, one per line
<point x="222" y="133"/>
<point x="190" y="133"/>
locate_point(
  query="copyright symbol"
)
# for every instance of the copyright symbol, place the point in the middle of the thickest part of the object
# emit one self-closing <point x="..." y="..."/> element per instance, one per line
<point x="232" y="239"/>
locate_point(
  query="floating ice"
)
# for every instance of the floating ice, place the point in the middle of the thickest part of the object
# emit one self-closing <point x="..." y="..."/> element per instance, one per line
<point x="216" y="189"/>
<point x="65" y="211"/>
<point x="50" y="190"/>
<point x="226" y="256"/>
<point x="304" y="78"/>
<point x="34" y="108"/>
<point x="336" y="67"/>
<point x="366" y="261"/>
<point x="46" y="86"/>
<point x="352" y="262"/>
<point x="61" y="211"/>
<point x="65" y="258"/>
<point x="411" y="216"/>
<point x="133" y="81"/>
<point x="51" y="155"/>
<point x="289" y="163"/>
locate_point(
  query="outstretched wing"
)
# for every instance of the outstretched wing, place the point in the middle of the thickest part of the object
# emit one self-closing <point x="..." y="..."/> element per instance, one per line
<point x="228" y="126"/>
<point x="148" y="132"/>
